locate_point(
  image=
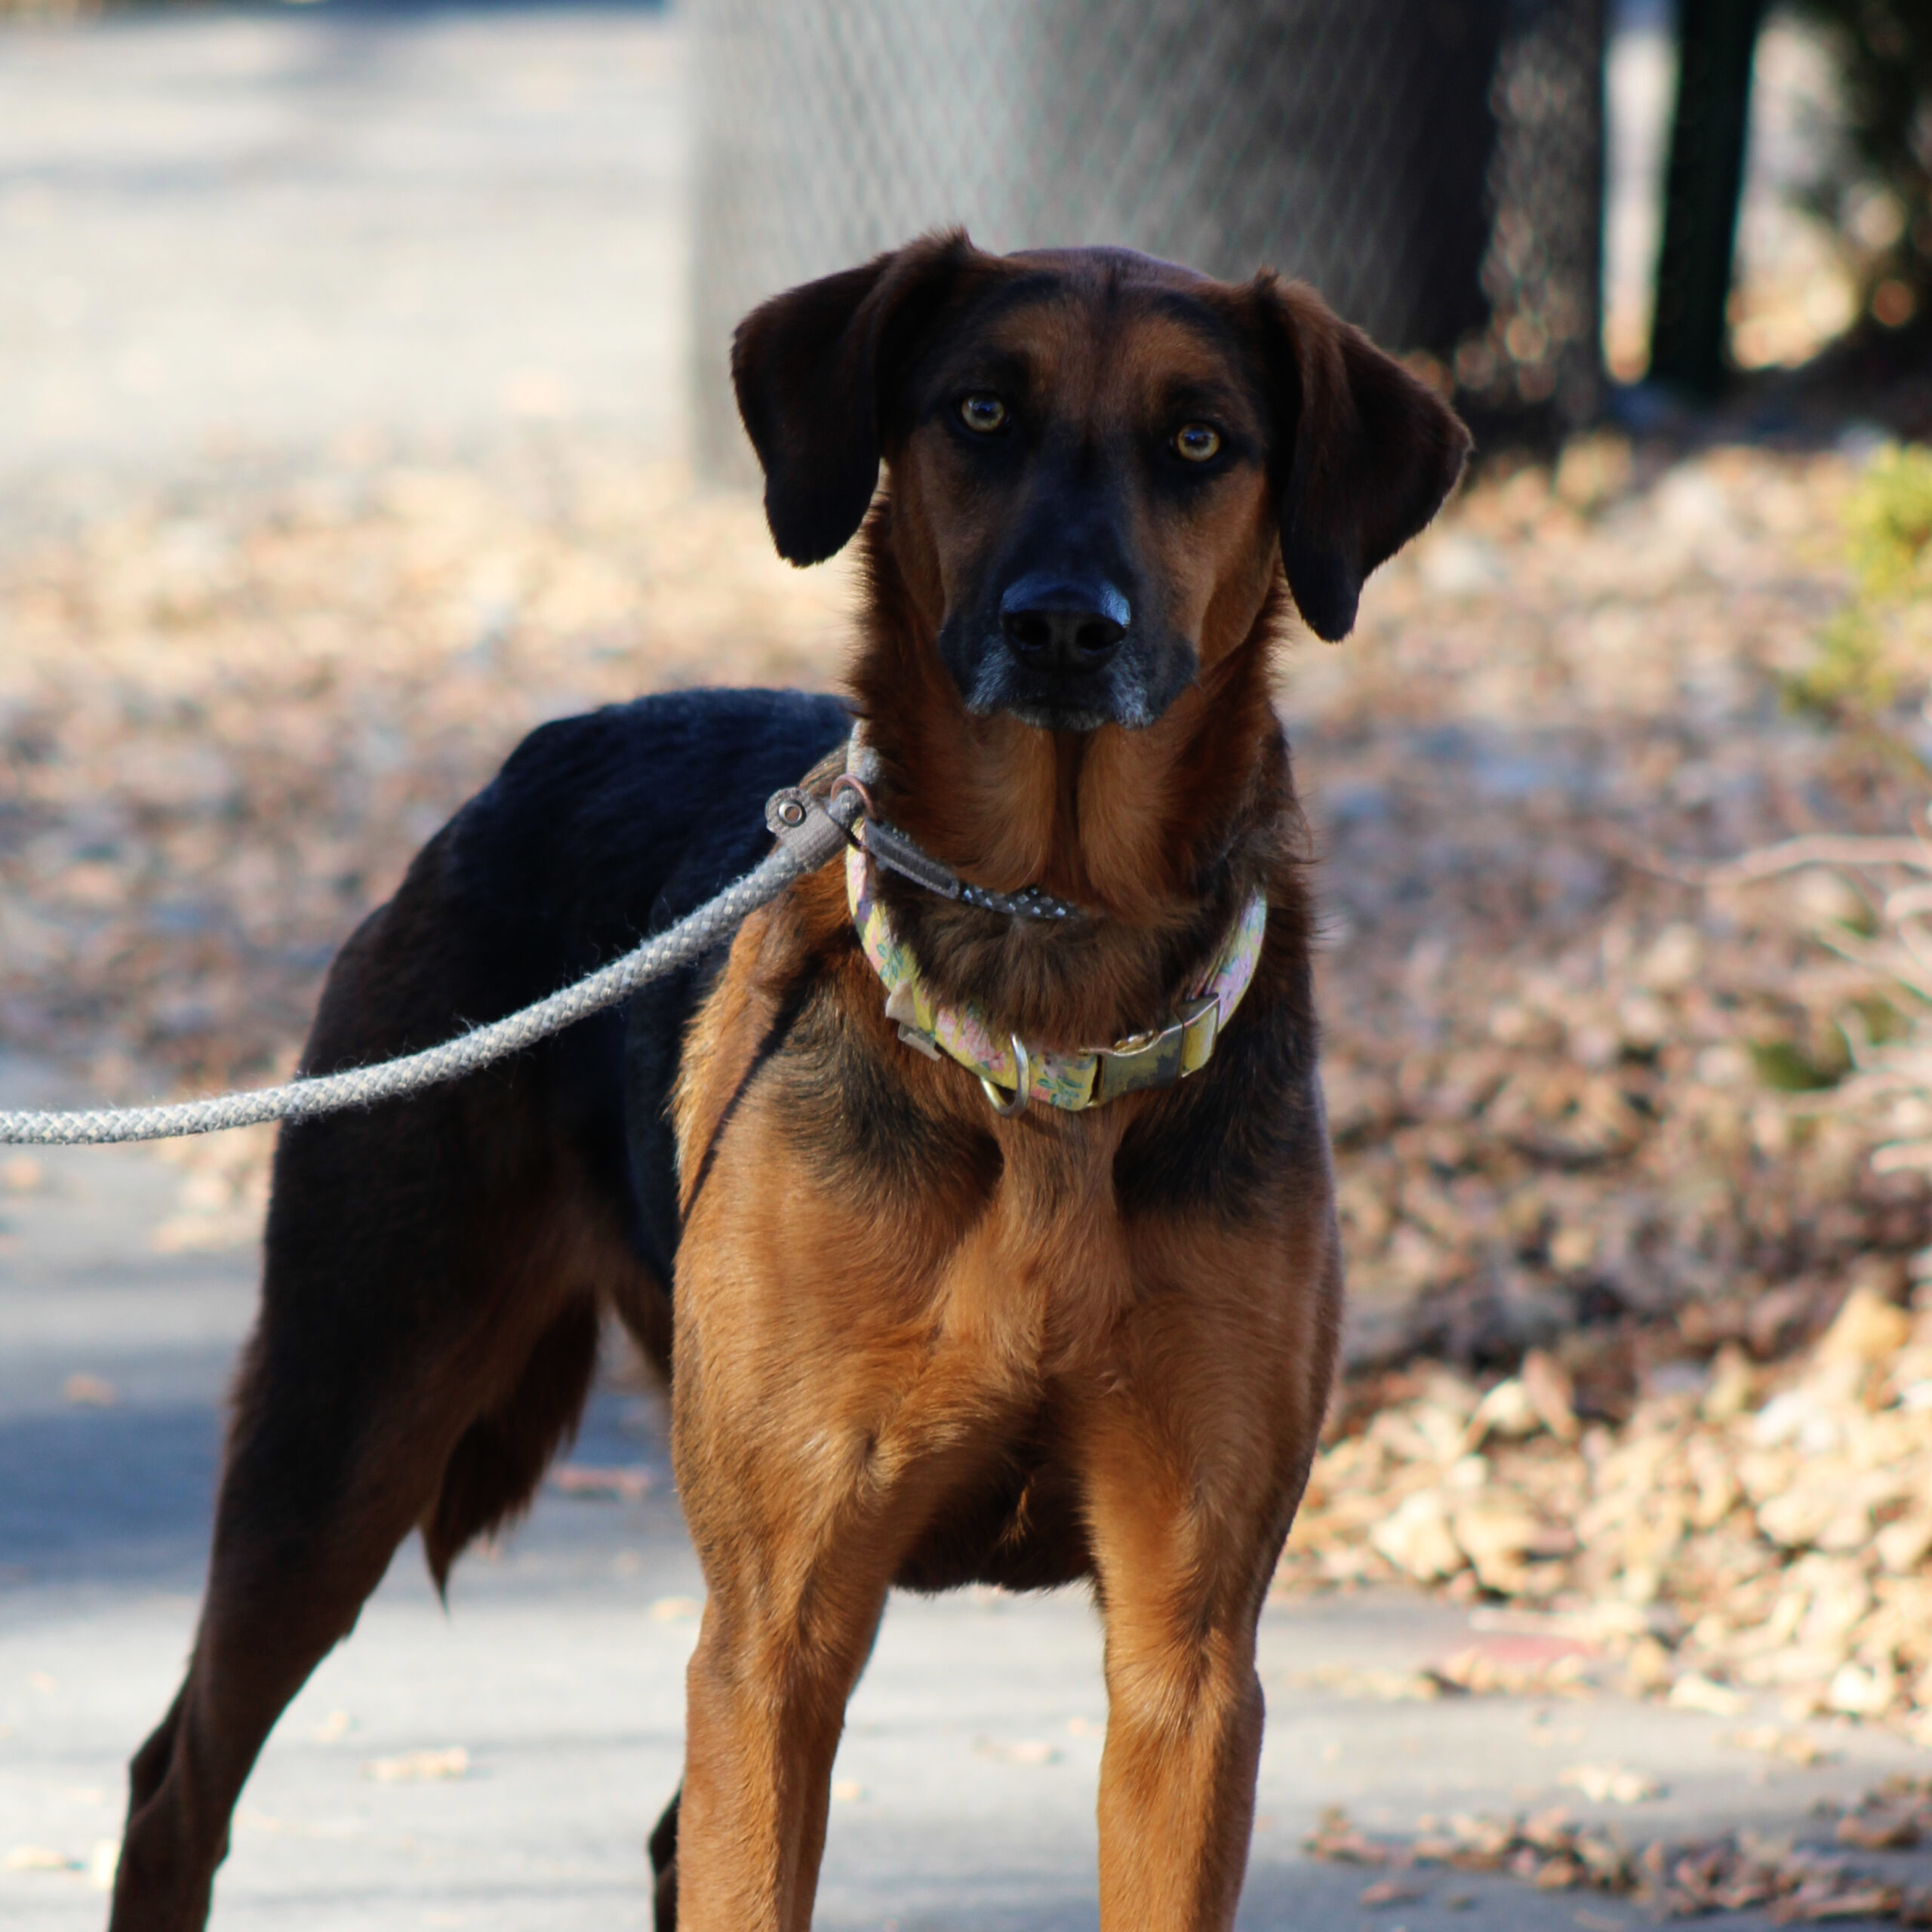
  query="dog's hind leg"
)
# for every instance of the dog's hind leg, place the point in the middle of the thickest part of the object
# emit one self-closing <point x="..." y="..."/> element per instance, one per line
<point x="428" y="1329"/>
<point x="662" y="1846"/>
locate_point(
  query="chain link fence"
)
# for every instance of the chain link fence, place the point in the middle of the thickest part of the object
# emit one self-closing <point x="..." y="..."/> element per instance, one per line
<point x="1435" y="167"/>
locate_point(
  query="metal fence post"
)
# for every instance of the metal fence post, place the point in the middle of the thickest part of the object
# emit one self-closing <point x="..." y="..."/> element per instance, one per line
<point x="1716" y="41"/>
<point x="1435" y="171"/>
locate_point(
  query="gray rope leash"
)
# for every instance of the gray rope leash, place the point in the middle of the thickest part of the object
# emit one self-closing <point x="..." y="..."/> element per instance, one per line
<point x="808" y="835"/>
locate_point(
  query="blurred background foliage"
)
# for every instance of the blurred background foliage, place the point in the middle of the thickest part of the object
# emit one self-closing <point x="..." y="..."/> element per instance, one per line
<point x="1875" y="653"/>
<point x="1878" y="194"/>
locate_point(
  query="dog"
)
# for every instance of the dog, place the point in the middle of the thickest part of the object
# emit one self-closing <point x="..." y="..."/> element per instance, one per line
<point x="976" y="1202"/>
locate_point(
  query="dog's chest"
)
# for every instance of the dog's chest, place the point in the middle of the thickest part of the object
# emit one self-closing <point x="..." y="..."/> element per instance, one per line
<point x="1013" y="1226"/>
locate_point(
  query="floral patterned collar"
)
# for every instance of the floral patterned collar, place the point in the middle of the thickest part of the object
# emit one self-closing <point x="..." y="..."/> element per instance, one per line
<point x="1013" y="1073"/>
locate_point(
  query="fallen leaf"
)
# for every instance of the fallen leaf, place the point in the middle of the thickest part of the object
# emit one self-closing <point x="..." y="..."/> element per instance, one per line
<point x="419" y="1766"/>
<point x="1551" y="1391"/>
<point x="1416" y="1538"/>
<point x="1879" y="1831"/>
<point x="39" y="1858"/>
<point x="1795" y="1747"/>
<point x="1693" y="1691"/>
<point x="1611" y="1784"/>
<point x="1390" y="1891"/>
<point x="1030" y="1751"/>
<point x="624" y="1484"/>
<point x="1867" y="1330"/>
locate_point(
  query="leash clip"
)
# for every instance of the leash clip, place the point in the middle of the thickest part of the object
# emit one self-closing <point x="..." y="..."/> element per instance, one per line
<point x="802" y="824"/>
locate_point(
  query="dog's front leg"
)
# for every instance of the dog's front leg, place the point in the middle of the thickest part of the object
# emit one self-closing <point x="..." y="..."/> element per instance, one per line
<point x="812" y="1445"/>
<point x="766" y="1699"/>
<point x="1193" y="1458"/>
<point x="1184" y="1704"/>
<point x="802" y="1475"/>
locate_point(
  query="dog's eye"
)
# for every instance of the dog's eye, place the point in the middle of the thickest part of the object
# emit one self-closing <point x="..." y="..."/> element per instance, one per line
<point x="984" y="413"/>
<point x="1198" y="443"/>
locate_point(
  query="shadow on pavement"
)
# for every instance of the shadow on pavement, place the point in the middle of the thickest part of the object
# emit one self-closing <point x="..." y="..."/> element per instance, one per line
<point x="108" y="1495"/>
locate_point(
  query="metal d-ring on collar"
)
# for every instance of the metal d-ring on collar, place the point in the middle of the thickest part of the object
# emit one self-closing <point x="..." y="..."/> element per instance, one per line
<point x="1022" y="1065"/>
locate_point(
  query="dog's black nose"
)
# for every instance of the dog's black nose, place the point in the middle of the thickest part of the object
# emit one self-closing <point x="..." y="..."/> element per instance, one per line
<point x="1063" y="623"/>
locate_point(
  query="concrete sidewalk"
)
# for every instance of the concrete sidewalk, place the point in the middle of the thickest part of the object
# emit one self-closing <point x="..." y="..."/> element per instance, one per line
<point x="966" y="1781"/>
<point x="226" y="234"/>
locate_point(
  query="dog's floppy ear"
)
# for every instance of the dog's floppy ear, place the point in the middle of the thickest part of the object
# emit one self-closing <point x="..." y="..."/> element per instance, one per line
<point x="814" y="369"/>
<point x="1366" y="454"/>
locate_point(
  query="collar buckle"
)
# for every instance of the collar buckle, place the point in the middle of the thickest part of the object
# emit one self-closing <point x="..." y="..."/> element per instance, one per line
<point x="1161" y="1057"/>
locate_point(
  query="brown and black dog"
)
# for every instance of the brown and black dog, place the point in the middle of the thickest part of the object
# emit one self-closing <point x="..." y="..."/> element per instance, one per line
<point x="925" y="1333"/>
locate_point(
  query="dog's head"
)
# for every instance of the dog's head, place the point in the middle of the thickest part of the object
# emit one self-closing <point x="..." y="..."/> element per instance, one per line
<point x="1096" y="460"/>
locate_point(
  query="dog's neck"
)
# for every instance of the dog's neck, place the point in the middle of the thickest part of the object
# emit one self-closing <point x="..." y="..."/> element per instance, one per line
<point x="1128" y="824"/>
<point x="1158" y="834"/>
